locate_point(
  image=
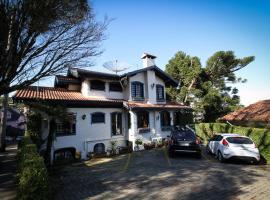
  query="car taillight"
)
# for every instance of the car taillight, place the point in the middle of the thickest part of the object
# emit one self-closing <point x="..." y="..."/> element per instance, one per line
<point x="225" y="142"/>
<point x="197" y="141"/>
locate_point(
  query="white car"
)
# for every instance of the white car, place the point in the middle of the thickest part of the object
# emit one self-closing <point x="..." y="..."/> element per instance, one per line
<point x="233" y="146"/>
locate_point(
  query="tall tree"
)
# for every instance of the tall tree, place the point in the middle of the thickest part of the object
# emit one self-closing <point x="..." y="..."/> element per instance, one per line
<point x="209" y="90"/>
<point x="42" y="38"/>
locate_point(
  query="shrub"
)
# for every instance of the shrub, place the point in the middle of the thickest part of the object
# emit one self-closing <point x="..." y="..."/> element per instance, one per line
<point x="260" y="136"/>
<point x="33" y="176"/>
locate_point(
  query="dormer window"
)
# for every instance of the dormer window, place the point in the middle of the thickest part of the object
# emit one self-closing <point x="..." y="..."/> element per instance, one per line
<point x="137" y="91"/>
<point x="160" y="92"/>
<point x="97" y="85"/>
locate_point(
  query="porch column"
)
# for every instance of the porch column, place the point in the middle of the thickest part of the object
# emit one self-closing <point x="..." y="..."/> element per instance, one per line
<point x="133" y="128"/>
<point x="171" y="117"/>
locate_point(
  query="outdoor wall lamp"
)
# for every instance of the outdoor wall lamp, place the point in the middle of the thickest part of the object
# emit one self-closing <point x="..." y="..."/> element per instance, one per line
<point x="83" y="116"/>
<point x="152" y="85"/>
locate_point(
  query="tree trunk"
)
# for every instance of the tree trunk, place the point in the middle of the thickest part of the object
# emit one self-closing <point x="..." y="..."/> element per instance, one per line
<point x="50" y="137"/>
<point x="3" y="124"/>
<point x="189" y="88"/>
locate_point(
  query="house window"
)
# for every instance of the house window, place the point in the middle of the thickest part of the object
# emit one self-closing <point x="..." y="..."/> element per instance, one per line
<point x="98" y="117"/>
<point x="115" y="87"/>
<point x="67" y="126"/>
<point x="165" y="120"/>
<point x="97" y="85"/>
<point x="137" y="91"/>
<point x="116" y="123"/>
<point x="143" y="119"/>
<point x="160" y="92"/>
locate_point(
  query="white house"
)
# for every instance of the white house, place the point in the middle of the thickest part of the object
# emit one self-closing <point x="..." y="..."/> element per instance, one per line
<point x="109" y="107"/>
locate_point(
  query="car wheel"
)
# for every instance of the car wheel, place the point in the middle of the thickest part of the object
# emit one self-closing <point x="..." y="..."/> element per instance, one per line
<point x="208" y="150"/>
<point x="220" y="157"/>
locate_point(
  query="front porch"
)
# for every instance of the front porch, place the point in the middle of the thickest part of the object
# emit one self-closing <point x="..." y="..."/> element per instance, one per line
<point x="154" y="123"/>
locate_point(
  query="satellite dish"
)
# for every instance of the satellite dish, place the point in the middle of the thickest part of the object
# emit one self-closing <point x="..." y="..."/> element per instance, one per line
<point x="116" y="66"/>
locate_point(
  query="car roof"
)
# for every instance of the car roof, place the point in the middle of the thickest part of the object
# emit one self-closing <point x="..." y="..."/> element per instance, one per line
<point x="230" y="134"/>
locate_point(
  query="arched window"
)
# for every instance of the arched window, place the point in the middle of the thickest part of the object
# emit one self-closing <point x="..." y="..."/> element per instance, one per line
<point x="165" y="120"/>
<point x="160" y="92"/>
<point x="142" y="119"/>
<point x="98" y="117"/>
<point x="137" y="91"/>
<point x="99" y="148"/>
<point x="97" y="85"/>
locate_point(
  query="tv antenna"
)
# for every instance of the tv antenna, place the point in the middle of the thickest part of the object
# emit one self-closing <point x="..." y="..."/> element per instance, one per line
<point x="116" y="66"/>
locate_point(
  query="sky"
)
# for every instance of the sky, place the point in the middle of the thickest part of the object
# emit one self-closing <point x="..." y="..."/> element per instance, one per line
<point x="197" y="27"/>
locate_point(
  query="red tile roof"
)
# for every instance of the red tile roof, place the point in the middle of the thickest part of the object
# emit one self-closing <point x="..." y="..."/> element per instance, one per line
<point x="257" y="112"/>
<point x="50" y="93"/>
<point x="168" y="105"/>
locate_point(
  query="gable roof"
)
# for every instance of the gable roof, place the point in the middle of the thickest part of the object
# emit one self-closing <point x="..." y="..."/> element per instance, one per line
<point x="82" y="73"/>
<point x="160" y="73"/>
<point x="257" y="112"/>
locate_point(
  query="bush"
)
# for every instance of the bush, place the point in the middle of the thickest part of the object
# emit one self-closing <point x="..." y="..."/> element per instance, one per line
<point x="260" y="136"/>
<point x="33" y="176"/>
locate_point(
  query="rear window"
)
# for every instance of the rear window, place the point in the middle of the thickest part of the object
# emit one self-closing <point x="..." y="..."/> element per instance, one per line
<point x="184" y="135"/>
<point x="239" y="140"/>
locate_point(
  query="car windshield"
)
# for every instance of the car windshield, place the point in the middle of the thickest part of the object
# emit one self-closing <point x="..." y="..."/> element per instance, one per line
<point x="239" y="140"/>
<point x="184" y="135"/>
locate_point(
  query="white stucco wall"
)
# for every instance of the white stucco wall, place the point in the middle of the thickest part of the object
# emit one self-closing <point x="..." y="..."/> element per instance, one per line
<point x="86" y="91"/>
<point x="87" y="134"/>
<point x="151" y="82"/>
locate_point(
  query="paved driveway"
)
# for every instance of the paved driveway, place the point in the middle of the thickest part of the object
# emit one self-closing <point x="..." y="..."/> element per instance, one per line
<point x="152" y="175"/>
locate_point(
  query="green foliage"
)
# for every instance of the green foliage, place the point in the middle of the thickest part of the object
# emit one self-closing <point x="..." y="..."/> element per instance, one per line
<point x="206" y="88"/>
<point x="138" y="142"/>
<point x="259" y="135"/>
<point x="34" y="122"/>
<point x="33" y="176"/>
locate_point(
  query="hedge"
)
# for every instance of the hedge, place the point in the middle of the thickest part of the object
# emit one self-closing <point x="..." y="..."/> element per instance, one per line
<point x="260" y="136"/>
<point x="33" y="176"/>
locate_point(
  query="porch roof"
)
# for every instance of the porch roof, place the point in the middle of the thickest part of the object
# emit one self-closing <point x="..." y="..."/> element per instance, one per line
<point x="168" y="105"/>
<point x="61" y="95"/>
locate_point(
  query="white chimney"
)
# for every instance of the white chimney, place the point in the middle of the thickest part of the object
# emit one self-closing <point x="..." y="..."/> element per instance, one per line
<point x="148" y="59"/>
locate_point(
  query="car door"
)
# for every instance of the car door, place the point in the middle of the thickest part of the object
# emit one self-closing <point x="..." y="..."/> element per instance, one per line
<point x="216" y="145"/>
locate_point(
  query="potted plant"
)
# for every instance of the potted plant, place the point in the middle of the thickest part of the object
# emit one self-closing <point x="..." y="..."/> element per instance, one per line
<point x="138" y="142"/>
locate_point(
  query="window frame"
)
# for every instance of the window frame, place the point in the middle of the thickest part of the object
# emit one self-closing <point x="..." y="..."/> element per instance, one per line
<point x="72" y="128"/>
<point x="120" y="89"/>
<point x="103" y="88"/>
<point x="165" y="127"/>
<point x="121" y="123"/>
<point x="98" y="122"/>
<point x="142" y="129"/>
<point x="158" y="87"/>
<point x="135" y="96"/>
